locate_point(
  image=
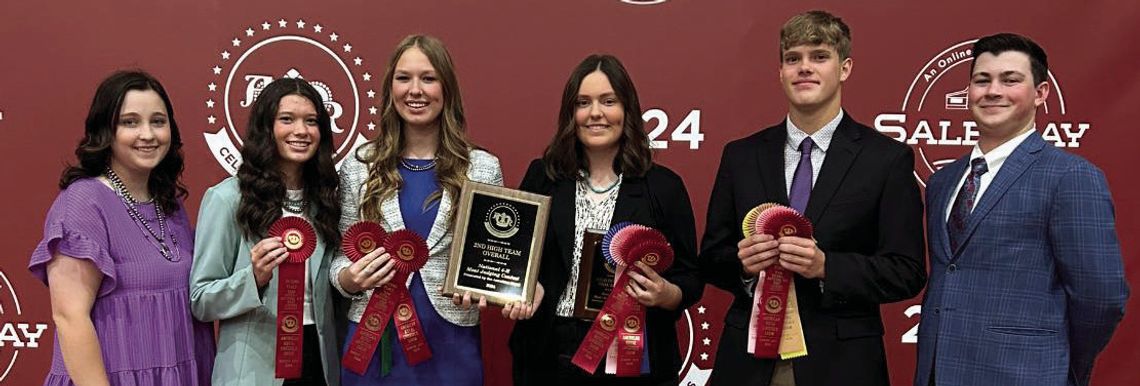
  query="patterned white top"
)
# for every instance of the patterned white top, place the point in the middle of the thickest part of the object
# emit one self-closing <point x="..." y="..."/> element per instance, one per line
<point x="588" y="214"/>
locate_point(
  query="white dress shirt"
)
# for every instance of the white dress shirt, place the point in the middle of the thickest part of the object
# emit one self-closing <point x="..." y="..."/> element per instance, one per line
<point x="994" y="160"/>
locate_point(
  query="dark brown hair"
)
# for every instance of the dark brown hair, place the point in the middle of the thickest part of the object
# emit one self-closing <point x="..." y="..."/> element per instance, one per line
<point x="94" y="150"/>
<point x="260" y="179"/>
<point x="998" y="43"/>
<point x="564" y="156"/>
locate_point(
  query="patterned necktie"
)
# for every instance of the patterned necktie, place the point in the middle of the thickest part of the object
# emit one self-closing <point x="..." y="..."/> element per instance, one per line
<point x="801" y="182"/>
<point x="964" y="202"/>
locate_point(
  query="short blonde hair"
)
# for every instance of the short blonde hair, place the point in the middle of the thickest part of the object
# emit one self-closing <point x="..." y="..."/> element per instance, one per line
<point x="815" y="28"/>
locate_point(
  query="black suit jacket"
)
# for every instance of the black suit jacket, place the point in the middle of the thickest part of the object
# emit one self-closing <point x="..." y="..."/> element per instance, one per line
<point x="867" y="215"/>
<point x="658" y="200"/>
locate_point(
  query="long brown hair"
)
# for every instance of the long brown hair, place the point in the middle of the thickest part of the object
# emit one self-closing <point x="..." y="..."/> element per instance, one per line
<point x="382" y="154"/>
<point x="260" y="180"/>
<point x="565" y="156"/>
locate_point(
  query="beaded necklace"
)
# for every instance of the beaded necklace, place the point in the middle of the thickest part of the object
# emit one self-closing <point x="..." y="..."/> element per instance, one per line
<point x="586" y="179"/>
<point x="408" y="165"/>
<point x="130" y="202"/>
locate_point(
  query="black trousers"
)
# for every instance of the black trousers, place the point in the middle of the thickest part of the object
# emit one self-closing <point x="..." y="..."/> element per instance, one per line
<point x="312" y="370"/>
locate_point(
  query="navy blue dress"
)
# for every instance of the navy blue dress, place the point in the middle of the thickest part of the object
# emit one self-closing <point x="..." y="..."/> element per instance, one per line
<point x="456" y="354"/>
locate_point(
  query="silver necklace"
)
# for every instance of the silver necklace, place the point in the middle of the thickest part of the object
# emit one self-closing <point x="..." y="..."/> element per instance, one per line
<point x="407" y="165"/>
<point x="130" y="202"/>
<point x="294" y="206"/>
<point x="590" y="185"/>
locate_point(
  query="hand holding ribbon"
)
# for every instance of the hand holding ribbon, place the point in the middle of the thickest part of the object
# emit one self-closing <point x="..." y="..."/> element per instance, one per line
<point x="774" y="309"/>
<point x="391" y="298"/>
<point x="620" y="326"/>
<point x="300" y="240"/>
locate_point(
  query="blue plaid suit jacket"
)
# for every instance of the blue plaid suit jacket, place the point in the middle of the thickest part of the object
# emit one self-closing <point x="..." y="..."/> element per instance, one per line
<point x="1037" y="288"/>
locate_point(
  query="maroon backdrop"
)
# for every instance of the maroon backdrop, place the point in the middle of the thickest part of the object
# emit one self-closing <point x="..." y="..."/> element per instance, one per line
<point x="706" y="71"/>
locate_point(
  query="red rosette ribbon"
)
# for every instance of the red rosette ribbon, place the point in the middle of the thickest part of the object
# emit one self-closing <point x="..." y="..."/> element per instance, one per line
<point x="770" y="298"/>
<point x="362" y="238"/>
<point x="780" y="221"/>
<point x="618" y="332"/>
<point x="409" y="252"/>
<point x="300" y="240"/>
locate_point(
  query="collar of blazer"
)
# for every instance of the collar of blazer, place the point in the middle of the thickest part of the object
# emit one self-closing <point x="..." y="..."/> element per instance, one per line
<point x="1014" y="167"/>
<point x="562" y="211"/>
<point x="845" y="146"/>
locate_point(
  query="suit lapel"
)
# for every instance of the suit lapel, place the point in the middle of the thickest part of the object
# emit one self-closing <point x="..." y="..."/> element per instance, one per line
<point x="315" y="264"/>
<point x="770" y="164"/>
<point x="840" y="156"/>
<point x="562" y="218"/>
<point x="439" y="226"/>
<point x="1016" y="165"/>
<point x="626" y="208"/>
<point x="391" y="209"/>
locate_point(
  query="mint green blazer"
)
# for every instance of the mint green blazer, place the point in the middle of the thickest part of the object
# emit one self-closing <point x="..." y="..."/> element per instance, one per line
<point x="222" y="289"/>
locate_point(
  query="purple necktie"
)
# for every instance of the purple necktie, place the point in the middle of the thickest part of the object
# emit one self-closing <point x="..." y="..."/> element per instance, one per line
<point x="964" y="202"/>
<point x="801" y="182"/>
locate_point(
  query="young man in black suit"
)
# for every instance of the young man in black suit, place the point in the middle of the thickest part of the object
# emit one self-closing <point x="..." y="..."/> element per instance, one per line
<point x="856" y="187"/>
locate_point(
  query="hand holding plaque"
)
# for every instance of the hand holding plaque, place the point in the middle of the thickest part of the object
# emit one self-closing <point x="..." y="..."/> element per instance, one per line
<point x="774" y="327"/>
<point x="497" y="244"/>
<point x="300" y="240"/>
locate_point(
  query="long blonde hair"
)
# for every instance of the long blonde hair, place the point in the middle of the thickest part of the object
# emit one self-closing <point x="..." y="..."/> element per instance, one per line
<point x="382" y="154"/>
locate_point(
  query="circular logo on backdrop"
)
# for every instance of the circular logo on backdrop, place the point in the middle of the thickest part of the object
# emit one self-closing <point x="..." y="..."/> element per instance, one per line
<point x="502" y="220"/>
<point x="698" y="339"/>
<point x="17" y="333"/>
<point x="262" y="53"/>
<point x="934" y="117"/>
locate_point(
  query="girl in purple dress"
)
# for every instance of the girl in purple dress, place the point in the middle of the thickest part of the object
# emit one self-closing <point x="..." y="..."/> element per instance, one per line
<point x="408" y="178"/>
<point x="117" y="249"/>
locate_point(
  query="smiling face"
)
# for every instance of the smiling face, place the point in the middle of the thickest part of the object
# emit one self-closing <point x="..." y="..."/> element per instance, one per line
<point x="1003" y="98"/>
<point x="142" y="133"/>
<point x="598" y="113"/>
<point x="417" y="92"/>
<point x="812" y="76"/>
<point x="295" y="131"/>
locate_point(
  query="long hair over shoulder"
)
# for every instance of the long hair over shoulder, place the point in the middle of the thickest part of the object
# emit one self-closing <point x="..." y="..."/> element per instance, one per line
<point x="382" y="154"/>
<point x="260" y="179"/>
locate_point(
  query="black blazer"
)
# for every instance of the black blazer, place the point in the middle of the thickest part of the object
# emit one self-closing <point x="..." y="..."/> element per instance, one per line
<point x="658" y="200"/>
<point x="867" y="215"/>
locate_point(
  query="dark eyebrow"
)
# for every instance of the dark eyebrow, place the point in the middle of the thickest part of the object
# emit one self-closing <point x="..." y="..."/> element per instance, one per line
<point x="605" y="95"/>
